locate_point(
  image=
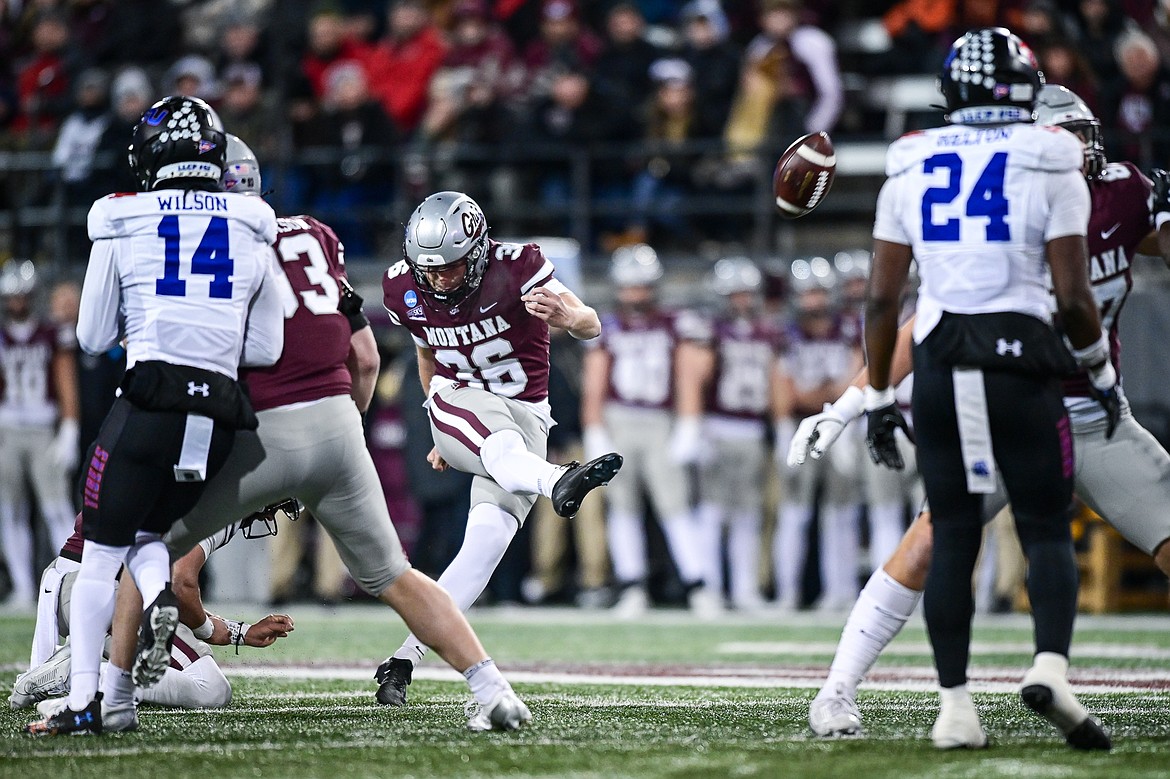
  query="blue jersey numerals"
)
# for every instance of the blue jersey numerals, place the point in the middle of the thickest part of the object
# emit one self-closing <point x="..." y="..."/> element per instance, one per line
<point x="986" y="198"/>
<point x="211" y="258"/>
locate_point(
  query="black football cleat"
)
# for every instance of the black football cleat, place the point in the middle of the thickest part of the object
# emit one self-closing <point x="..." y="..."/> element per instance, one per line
<point x="155" y="637"/>
<point x="579" y="480"/>
<point x="68" y="722"/>
<point x="393" y="676"/>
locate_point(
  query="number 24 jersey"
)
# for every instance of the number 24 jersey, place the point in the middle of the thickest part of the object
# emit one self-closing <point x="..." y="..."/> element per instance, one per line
<point x="977" y="206"/>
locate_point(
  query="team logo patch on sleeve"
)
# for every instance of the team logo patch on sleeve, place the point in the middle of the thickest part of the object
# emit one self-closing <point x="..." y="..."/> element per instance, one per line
<point x="416" y="313"/>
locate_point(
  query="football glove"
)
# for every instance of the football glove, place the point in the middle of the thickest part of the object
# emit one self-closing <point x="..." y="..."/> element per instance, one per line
<point x="1161" y="179"/>
<point x="883" y="421"/>
<point x="817" y="433"/>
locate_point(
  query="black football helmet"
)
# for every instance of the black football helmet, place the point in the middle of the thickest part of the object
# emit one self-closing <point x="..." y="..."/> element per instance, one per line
<point x="178" y="138"/>
<point x="990" y="77"/>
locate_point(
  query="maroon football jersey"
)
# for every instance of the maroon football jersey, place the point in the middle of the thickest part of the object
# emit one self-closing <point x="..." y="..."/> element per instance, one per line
<point x="745" y="357"/>
<point x="488" y="340"/>
<point x="641" y="348"/>
<point x="73" y="545"/>
<point x="316" y="335"/>
<point x="27" y="392"/>
<point x="1120" y="219"/>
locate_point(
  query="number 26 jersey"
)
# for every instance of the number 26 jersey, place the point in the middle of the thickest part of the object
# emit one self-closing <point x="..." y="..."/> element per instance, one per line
<point x="977" y="206"/>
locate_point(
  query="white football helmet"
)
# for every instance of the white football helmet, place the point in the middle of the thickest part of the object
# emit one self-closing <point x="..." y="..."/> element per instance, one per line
<point x="241" y="170"/>
<point x="446" y="229"/>
<point x="736" y="274"/>
<point x="635" y="266"/>
<point x="1061" y="107"/>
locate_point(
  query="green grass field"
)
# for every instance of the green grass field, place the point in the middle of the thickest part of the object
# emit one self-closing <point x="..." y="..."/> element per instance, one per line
<point x="665" y="697"/>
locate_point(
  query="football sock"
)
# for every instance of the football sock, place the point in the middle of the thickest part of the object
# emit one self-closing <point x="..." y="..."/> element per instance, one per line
<point x="519" y="471"/>
<point x="485" y="681"/>
<point x="840" y="545"/>
<point x="743" y="556"/>
<point x="788" y="549"/>
<point x="887" y="524"/>
<point x="1052" y="582"/>
<point x="948" y="603"/>
<point x="683" y="539"/>
<point x="117" y="686"/>
<point x="90" y="612"/>
<point x="489" y="531"/>
<point x="16" y="544"/>
<point x="150" y="565"/>
<point x="709" y="532"/>
<point x="879" y="614"/>
<point x="627" y="546"/>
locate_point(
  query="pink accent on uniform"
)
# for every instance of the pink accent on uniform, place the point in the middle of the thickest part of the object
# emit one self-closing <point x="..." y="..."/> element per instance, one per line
<point x="93" y="477"/>
<point x="312" y="366"/>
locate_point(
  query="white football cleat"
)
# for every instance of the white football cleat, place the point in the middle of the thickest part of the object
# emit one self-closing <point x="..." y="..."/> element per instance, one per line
<point x="119" y="719"/>
<point x="48" y="680"/>
<point x="958" y="725"/>
<point x="832" y="713"/>
<point x="705" y="603"/>
<point x="1045" y="690"/>
<point x="505" y="712"/>
<point x="632" y="604"/>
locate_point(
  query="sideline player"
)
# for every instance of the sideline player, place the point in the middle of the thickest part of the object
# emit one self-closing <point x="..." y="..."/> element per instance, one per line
<point x="990" y="207"/>
<point x="1125" y="479"/>
<point x="479" y="312"/>
<point x="192" y="678"/>
<point x="183" y="272"/>
<point x="641" y="394"/>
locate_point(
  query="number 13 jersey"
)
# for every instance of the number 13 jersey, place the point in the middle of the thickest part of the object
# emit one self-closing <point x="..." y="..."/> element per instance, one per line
<point x="977" y="206"/>
<point x="176" y="273"/>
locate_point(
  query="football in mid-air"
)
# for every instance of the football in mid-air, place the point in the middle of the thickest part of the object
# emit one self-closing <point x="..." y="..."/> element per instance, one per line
<point x="804" y="174"/>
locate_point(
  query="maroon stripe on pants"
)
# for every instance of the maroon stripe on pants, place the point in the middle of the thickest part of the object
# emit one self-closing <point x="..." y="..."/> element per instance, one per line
<point x="183" y="648"/>
<point x="455" y="433"/>
<point x="463" y="414"/>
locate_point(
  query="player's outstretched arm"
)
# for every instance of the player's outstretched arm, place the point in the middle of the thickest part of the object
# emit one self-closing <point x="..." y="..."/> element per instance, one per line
<point x="212" y="628"/>
<point x="559" y="307"/>
<point x="891" y="266"/>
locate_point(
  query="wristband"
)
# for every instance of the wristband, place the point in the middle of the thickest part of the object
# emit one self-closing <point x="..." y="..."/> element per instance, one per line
<point x="851" y="403"/>
<point x="1094" y="354"/>
<point x="875" y="398"/>
<point x="236" y="632"/>
<point x="204" y="631"/>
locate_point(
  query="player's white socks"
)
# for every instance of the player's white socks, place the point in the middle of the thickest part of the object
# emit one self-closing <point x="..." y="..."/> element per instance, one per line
<point x="627" y="546"/>
<point x="149" y="564"/>
<point x="489" y="531"/>
<point x="743" y="557"/>
<point x="887" y="525"/>
<point x="16" y="544"/>
<point x="90" y="612"/>
<point x="709" y="519"/>
<point x="519" y="471"/>
<point x="789" y="547"/>
<point x="682" y="538"/>
<point x="117" y="686"/>
<point x="200" y="685"/>
<point x="485" y="681"/>
<point x="840" y="549"/>
<point x="879" y="614"/>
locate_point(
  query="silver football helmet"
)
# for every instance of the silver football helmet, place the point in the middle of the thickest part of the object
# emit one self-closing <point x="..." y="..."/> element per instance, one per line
<point x="635" y="266"/>
<point x="1060" y="106"/>
<point x="241" y="170"/>
<point x="18" y="277"/>
<point x="736" y="274"/>
<point x="448" y="228"/>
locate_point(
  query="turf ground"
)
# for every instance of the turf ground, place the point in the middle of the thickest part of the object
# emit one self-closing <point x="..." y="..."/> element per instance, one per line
<point x="665" y="697"/>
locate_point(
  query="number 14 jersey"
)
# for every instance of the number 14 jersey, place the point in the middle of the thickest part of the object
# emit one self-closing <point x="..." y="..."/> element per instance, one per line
<point x="977" y="206"/>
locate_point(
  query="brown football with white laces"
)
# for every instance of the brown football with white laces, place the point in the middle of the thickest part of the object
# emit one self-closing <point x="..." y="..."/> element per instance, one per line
<point x="804" y="174"/>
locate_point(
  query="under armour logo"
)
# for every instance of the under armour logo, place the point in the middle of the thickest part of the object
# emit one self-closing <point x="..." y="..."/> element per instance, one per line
<point x="979" y="468"/>
<point x="203" y="389"/>
<point x="1003" y="347"/>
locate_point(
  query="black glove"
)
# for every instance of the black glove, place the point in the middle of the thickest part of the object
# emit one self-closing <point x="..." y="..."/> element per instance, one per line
<point x="879" y="437"/>
<point x="1161" y="179"/>
<point x="1110" y="400"/>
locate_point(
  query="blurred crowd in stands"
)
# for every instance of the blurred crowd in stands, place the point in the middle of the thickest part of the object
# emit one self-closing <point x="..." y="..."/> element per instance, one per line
<point x="354" y="105"/>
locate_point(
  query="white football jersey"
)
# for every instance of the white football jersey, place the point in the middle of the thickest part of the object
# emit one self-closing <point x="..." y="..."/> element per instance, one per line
<point x="977" y="205"/>
<point x="181" y="275"/>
